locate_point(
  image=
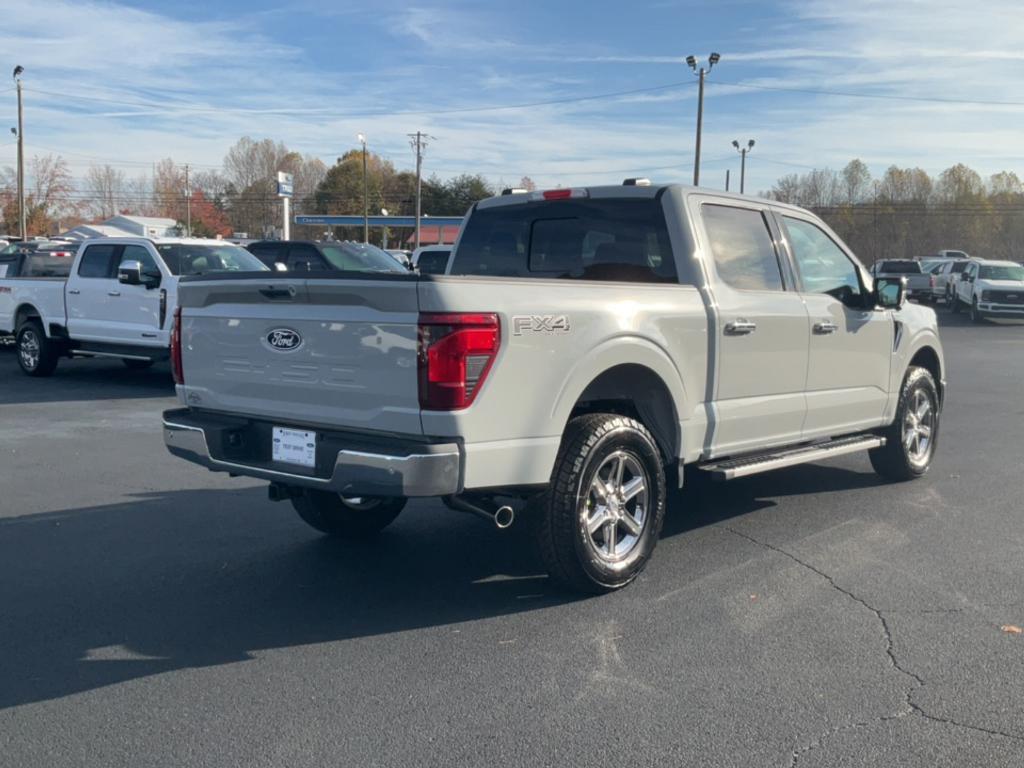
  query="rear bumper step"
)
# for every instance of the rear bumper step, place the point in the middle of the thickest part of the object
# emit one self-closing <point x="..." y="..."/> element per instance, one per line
<point x="789" y="457"/>
<point x="348" y="465"/>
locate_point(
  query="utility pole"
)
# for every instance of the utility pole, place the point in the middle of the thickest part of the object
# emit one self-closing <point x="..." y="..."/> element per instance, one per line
<point x="701" y="73"/>
<point x="419" y="143"/>
<point x="366" y="197"/>
<point x="188" y="205"/>
<point x="743" y="161"/>
<point x="726" y="179"/>
<point x="21" y="157"/>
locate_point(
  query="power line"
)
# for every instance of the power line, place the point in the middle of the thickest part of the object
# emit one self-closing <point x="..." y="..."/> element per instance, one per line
<point x="856" y="95"/>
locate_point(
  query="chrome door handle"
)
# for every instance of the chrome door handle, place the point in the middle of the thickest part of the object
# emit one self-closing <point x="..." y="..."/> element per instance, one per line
<point x="740" y="328"/>
<point x="113" y="293"/>
<point x="74" y="291"/>
<point x="825" y="328"/>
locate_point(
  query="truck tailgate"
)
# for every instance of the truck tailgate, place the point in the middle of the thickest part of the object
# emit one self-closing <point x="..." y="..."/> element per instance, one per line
<point x="331" y="352"/>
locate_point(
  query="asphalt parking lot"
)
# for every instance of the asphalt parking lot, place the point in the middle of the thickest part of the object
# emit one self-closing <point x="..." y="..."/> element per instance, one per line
<point x="152" y="613"/>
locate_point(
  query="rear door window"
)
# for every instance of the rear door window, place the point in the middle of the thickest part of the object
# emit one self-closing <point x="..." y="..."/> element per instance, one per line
<point x="269" y="253"/>
<point x="606" y="239"/>
<point x="305" y="258"/>
<point x="97" y="261"/>
<point x="432" y="262"/>
<point x="742" y="247"/>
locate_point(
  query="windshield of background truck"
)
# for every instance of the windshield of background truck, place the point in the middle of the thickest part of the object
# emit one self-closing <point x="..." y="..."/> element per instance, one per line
<point x="188" y="259"/>
<point x="359" y="257"/>
<point x="1001" y="273"/>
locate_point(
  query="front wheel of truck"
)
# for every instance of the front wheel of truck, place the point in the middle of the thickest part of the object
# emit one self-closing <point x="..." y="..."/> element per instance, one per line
<point x="599" y="520"/>
<point x="911" y="438"/>
<point x="346" y="517"/>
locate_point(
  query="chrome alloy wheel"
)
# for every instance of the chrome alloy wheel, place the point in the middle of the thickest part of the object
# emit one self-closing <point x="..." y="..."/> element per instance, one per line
<point x="615" y="509"/>
<point x="28" y="349"/>
<point x="919" y="429"/>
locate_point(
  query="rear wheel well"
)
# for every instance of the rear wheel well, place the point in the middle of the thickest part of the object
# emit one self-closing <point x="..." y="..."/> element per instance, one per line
<point x="928" y="358"/>
<point x="25" y="312"/>
<point x="638" y="392"/>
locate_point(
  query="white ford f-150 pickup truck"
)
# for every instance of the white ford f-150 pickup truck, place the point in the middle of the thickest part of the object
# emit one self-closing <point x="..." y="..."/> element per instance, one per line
<point x="584" y="346"/>
<point x="117" y="301"/>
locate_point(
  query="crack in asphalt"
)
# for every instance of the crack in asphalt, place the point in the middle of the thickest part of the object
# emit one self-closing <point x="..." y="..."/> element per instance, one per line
<point x="915" y="680"/>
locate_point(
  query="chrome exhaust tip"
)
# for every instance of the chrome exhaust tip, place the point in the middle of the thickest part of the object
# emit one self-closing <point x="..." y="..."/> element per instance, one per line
<point x="504" y="517"/>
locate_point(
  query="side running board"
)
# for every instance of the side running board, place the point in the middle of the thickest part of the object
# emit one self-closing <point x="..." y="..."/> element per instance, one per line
<point x="730" y="469"/>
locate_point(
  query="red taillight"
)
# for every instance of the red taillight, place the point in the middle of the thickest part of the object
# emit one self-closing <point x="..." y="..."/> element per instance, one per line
<point x="557" y="194"/>
<point x="176" y="367"/>
<point x="456" y="352"/>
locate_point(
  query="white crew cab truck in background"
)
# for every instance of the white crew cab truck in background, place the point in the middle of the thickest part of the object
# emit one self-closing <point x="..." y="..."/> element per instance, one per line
<point x="584" y="346"/>
<point x="990" y="289"/>
<point x="117" y="301"/>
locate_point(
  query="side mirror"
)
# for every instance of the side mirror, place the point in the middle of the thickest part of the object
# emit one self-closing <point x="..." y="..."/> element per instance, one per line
<point x="130" y="273"/>
<point x="890" y="292"/>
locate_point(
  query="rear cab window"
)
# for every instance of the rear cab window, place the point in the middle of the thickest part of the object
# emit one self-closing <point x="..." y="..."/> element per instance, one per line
<point x="906" y="267"/>
<point x="608" y="239"/>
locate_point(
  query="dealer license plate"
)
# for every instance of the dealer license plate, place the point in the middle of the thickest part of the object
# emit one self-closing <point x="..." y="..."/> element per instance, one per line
<point x="294" y="446"/>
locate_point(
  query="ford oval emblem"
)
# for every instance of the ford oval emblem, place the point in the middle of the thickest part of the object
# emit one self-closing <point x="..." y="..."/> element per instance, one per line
<point x="284" y="339"/>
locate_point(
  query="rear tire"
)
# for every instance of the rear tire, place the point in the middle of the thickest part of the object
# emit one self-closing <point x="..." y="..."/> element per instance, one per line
<point x="137" y="365"/>
<point x="346" y="518"/>
<point x="37" y="355"/>
<point x="914" y="433"/>
<point x="599" y="520"/>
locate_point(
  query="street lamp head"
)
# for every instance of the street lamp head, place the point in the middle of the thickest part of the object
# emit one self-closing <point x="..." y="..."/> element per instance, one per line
<point x="735" y="143"/>
<point x="692" y="61"/>
<point x="17" y="71"/>
<point x="750" y="144"/>
<point x="713" y="59"/>
<point x="14" y="131"/>
<point x="361" y="138"/>
<point x="383" y="211"/>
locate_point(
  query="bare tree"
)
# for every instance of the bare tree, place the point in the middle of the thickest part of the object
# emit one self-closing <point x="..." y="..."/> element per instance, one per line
<point x="105" y="186"/>
<point x="169" y="190"/>
<point x="856" y="183"/>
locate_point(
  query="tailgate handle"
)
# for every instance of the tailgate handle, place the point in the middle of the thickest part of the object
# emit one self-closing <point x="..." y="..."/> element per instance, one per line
<point x="278" y="293"/>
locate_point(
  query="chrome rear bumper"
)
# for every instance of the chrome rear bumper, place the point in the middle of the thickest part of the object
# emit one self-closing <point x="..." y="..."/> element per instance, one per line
<point x="406" y="469"/>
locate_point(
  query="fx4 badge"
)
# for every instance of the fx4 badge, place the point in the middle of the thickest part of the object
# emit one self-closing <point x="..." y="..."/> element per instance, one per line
<point x="539" y="324"/>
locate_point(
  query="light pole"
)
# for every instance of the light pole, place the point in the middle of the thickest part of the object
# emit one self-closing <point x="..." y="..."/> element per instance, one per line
<point x="366" y="198"/>
<point x="188" y="204"/>
<point x="701" y="72"/>
<point x="21" y="156"/>
<point x="384" y="212"/>
<point x="743" y="160"/>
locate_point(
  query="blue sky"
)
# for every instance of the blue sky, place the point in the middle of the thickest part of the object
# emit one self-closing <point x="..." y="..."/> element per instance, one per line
<point x="132" y="82"/>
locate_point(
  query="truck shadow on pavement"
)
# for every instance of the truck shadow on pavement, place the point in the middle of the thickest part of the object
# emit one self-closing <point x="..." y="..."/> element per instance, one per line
<point x="174" y="580"/>
<point x="86" y="380"/>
